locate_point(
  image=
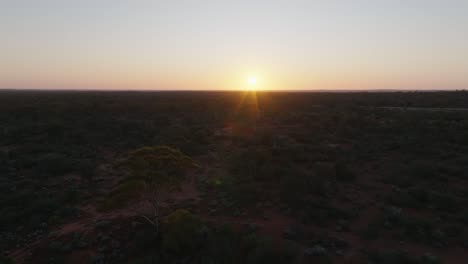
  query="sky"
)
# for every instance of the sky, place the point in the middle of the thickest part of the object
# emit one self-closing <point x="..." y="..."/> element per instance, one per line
<point x="217" y="44"/>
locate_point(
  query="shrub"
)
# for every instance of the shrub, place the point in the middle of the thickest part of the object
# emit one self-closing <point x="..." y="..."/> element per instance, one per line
<point x="6" y="260"/>
<point x="158" y="165"/>
<point x="293" y="186"/>
<point x="371" y="231"/>
<point x="86" y="168"/>
<point x="391" y="257"/>
<point x="343" y="172"/>
<point x="399" y="179"/>
<point x="122" y="194"/>
<point x="443" y="201"/>
<point x="400" y="257"/>
<point x="54" y="164"/>
<point x="253" y="164"/>
<point x="463" y="217"/>
<point x="403" y="199"/>
<point x="222" y="247"/>
<point x="182" y="233"/>
<point x="263" y="251"/>
<point x="423" y="170"/>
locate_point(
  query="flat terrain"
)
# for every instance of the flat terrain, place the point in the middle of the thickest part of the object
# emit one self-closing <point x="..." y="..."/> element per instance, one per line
<point x="274" y="177"/>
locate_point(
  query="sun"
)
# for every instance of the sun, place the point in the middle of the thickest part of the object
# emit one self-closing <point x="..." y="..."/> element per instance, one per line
<point x="252" y="80"/>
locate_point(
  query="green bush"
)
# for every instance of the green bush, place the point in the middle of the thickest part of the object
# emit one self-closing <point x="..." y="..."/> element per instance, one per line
<point x="263" y="251"/>
<point x="150" y="169"/>
<point x="222" y="246"/>
<point x="182" y="233"/>
<point x="123" y="194"/>
<point x="6" y="260"/>
<point x="158" y="165"/>
<point x="400" y="257"/>
<point x="253" y="164"/>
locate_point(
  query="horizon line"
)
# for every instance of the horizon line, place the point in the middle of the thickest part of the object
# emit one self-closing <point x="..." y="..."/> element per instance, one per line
<point x="229" y="90"/>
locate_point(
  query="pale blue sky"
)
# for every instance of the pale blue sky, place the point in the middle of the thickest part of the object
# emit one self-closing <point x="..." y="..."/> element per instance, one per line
<point x="217" y="44"/>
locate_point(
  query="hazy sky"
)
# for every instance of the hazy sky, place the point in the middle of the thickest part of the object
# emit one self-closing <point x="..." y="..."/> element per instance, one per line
<point x="321" y="44"/>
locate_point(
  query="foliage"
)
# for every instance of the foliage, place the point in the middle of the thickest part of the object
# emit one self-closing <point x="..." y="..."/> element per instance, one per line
<point x="151" y="169"/>
<point x="182" y="232"/>
<point x="53" y="144"/>
<point x="252" y="164"/>
<point x="263" y="251"/>
<point x="400" y="257"/>
<point x="6" y="260"/>
<point x="123" y="194"/>
<point x="160" y="166"/>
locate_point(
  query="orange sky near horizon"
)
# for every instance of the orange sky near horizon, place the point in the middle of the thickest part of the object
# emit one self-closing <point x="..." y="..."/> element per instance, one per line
<point x="217" y="45"/>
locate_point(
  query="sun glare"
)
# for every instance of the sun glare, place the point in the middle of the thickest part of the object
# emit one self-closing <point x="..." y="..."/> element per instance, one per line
<point x="252" y="80"/>
<point x="252" y="83"/>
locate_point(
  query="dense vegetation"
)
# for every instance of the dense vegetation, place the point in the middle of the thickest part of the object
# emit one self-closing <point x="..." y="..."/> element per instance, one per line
<point x="278" y="177"/>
